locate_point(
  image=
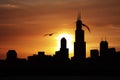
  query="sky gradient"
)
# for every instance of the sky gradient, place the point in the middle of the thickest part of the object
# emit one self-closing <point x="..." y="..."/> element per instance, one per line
<point x="24" y="22"/>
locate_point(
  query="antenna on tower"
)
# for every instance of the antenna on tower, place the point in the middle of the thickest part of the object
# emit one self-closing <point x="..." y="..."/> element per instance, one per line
<point x="101" y="38"/>
<point x="79" y="19"/>
<point x="79" y="15"/>
<point x="105" y="38"/>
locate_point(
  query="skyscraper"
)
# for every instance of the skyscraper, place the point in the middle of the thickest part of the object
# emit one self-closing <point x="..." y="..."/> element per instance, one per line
<point x="79" y="44"/>
<point x="103" y="48"/>
<point x="62" y="54"/>
<point x="64" y="49"/>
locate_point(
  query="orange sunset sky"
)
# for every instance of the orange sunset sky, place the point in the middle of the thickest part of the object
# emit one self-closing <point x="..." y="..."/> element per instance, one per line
<point x="23" y="24"/>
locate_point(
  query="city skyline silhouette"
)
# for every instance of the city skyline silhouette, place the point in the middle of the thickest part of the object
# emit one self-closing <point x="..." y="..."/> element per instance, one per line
<point x="59" y="39"/>
<point x="23" y="23"/>
<point x="52" y="34"/>
<point x="105" y="61"/>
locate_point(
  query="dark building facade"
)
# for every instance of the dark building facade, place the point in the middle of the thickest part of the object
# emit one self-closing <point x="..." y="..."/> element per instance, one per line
<point x="40" y="58"/>
<point x="79" y="44"/>
<point x="94" y="53"/>
<point x="103" y="48"/>
<point x="63" y="54"/>
<point x="11" y="55"/>
<point x="64" y="50"/>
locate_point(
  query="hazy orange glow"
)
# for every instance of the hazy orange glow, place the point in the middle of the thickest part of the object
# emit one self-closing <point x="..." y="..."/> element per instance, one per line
<point x="69" y="39"/>
<point x="24" y="22"/>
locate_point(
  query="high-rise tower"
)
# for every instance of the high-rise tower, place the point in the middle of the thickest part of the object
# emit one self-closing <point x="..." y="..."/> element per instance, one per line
<point x="62" y="55"/>
<point x="79" y="44"/>
<point x="64" y="49"/>
<point x="103" y="48"/>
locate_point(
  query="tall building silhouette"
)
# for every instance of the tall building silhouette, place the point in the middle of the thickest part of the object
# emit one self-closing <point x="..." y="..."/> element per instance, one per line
<point x="64" y="49"/>
<point x="79" y="44"/>
<point x="103" y="48"/>
<point x="62" y="54"/>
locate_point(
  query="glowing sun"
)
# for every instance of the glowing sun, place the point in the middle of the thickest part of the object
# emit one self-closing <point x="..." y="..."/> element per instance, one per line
<point x="69" y="39"/>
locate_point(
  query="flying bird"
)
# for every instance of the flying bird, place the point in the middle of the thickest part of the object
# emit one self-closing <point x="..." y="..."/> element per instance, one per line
<point x="50" y="34"/>
<point x="86" y="27"/>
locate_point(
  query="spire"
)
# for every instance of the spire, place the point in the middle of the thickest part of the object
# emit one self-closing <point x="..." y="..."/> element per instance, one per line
<point x="102" y="39"/>
<point x="79" y="22"/>
<point x="79" y="16"/>
<point x="105" y="38"/>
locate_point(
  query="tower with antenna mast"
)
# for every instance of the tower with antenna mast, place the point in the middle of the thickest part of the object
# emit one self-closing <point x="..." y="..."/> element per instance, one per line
<point x="79" y="44"/>
<point x="103" y="48"/>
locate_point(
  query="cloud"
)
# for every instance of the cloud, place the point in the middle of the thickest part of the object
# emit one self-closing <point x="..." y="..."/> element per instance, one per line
<point x="8" y="6"/>
<point x="98" y="12"/>
<point x="95" y="12"/>
<point x="54" y="13"/>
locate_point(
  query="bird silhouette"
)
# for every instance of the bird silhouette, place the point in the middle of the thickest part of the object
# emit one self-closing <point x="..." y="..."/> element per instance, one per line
<point x="50" y="34"/>
<point x="86" y="27"/>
